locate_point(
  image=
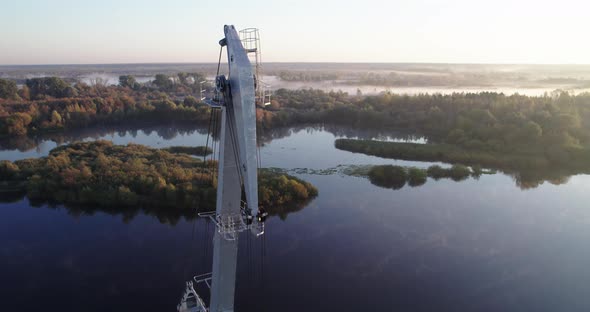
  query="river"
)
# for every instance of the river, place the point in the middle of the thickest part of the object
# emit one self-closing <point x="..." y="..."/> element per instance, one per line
<point x="476" y="245"/>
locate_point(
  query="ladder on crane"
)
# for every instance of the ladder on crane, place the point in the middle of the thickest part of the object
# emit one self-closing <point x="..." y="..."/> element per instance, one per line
<point x="251" y="41"/>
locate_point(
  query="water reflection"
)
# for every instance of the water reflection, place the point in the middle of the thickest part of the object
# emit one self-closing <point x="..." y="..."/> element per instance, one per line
<point x="266" y="136"/>
<point x="12" y="197"/>
<point x="471" y="246"/>
<point x="524" y="180"/>
<point x="532" y="179"/>
<point x="192" y="135"/>
<point x="14" y="148"/>
<point x="127" y="214"/>
<point x="35" y="142"/>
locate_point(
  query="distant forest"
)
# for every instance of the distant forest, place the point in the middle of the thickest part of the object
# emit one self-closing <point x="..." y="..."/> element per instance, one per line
<point x="556" y="125"/>
<point x="50" y="104"/>
<point x="440" y="76"/>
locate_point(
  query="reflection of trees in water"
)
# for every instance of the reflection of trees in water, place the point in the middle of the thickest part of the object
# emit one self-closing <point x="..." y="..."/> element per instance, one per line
<point x="27" y="143"/>
<point x="266" y="136"/>
<point x="523" y="180"/>
<point x="284" y="210"/>
<point x="171" y="131"/>
<point x="394" y="184"/>
<point x="396" y="179"/>
<point x="532" y="179"/>
<point x="373" y="134"/>
<point x="167" y="133"/>
<point x="164" y="216"/>
<point x="22" y="143"/>
<point x="12" y="197"/>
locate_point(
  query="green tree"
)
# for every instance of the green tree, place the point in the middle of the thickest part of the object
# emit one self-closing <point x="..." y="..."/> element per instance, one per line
<point x="8" y="89"/>
<point x="49" y="86"/>
<point x="456" y="136"/>
<point x="531" y="132"/>
<point x="182" y="78"/>
<point x="163" y="82"/>
<point x="190" y="101"/>
<point x="128" y="81"/>
<point x="165" y="105"/>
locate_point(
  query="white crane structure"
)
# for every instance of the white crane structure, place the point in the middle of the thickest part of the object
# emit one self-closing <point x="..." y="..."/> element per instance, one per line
<point x="237" y="174"/>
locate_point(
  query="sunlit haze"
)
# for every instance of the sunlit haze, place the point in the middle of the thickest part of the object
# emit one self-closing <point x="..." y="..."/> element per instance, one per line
<point x="459" y="31"/>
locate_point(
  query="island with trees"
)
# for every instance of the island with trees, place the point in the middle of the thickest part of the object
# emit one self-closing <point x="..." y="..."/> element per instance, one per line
<point x="573" y="159"/>
<point x="124" y="179"/>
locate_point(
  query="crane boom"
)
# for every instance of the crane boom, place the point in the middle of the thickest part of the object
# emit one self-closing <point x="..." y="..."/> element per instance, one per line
<point x="238" y="170"/>
<point x="237" y="165"/>
<point x="242" y="113"/>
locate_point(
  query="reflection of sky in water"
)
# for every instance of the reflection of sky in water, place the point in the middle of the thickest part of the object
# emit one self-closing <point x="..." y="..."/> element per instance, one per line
<point x="480" y="245"/>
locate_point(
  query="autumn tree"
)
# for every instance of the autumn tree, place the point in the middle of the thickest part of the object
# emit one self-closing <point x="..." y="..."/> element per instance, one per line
<point x="17" y="123"/>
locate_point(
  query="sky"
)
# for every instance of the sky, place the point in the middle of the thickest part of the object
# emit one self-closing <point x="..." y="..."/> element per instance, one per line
<point x="374" y="31"/>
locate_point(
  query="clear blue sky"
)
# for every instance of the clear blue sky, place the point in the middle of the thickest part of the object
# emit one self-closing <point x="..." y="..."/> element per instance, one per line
<point x="454" y="31"/>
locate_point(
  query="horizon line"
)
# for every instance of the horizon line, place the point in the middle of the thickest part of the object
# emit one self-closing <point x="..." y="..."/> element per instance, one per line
<point x="294" y="62"/>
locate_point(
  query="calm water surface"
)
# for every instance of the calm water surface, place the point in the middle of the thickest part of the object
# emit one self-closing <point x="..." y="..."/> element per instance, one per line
<point x="476" y="245"/>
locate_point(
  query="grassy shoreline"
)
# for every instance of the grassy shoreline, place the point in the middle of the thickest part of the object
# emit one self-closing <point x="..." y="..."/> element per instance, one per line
<point x="576" y="159"/>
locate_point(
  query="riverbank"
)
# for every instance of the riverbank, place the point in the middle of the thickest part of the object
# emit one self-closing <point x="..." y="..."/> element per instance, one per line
<point x="518" y="161"/>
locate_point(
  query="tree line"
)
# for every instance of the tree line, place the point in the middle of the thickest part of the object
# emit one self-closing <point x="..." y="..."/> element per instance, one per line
<point x="50" y="104"/>
<point x="556" y="125"/>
